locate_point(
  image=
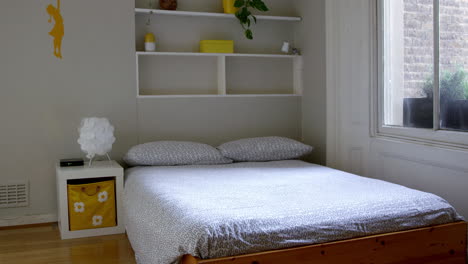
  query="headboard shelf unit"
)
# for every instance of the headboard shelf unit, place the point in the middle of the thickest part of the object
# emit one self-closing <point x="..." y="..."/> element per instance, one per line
<point x="177" y="69"/>
<point x="154" y="68"/>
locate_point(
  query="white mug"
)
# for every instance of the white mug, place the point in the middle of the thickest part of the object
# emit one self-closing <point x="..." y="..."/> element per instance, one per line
<point x="285" y="47"/>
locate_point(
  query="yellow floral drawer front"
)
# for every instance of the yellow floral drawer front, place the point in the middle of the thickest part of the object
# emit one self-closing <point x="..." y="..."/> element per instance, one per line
<point x="91" y="205"/>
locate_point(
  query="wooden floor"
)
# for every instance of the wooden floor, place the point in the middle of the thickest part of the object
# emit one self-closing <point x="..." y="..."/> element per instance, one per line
<point x="42" y="244"/>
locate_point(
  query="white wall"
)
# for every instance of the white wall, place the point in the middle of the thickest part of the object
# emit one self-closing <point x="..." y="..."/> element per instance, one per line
<point x="310" y="37"/>
<point x="350" y="67"/>
<point x="42" y="99"/>
<point x="216" y="120"/>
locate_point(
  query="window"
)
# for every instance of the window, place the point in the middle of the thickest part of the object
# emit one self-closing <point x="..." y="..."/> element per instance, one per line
<point x="423" y="74"/>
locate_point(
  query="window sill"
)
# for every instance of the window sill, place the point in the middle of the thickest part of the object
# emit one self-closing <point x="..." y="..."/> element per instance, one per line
<point x="427" y="137"/>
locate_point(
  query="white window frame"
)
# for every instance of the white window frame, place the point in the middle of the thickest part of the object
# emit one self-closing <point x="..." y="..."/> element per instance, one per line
<point x="435" y="136"/>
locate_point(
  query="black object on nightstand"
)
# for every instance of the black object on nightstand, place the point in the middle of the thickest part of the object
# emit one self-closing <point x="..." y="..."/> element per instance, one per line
<point x="71" y="162"/>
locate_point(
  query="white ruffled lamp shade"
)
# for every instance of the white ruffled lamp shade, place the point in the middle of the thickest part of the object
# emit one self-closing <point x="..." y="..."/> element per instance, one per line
<point x="96" y="137"/>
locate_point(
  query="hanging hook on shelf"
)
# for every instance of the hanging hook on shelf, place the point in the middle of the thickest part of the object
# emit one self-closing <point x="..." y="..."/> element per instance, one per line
<point x="150" y="5"/>
<point x="148" y="22"/>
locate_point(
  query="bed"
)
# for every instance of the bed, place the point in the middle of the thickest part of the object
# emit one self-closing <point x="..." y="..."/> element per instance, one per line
<point x="282" y="212"/>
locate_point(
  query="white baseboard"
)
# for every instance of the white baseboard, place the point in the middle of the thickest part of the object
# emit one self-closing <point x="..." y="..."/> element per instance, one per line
<point x="27" y="220"/>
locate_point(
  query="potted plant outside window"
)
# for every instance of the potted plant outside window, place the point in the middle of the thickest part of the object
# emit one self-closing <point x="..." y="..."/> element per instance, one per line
<point x="418" y="112"/>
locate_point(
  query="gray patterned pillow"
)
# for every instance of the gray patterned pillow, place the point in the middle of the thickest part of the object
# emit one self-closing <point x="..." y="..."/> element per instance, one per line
<point x="264" y="149"/>
<point x="170" y="153"/>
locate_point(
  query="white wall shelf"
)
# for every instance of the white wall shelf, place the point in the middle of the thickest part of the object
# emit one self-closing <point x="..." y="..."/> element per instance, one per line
<point x="210" y="14"/>
<point x="216" y="95"/>
<point x="222" y="82"/>
<point x="284" y="56"/>
<point x="165" y="74"/>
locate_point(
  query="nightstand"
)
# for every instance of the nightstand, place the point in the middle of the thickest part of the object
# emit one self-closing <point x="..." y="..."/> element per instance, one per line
<point x="99" y="169"/>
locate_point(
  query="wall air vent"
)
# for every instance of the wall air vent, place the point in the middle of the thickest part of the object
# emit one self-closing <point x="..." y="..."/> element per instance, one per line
<point x="14" y="195"/>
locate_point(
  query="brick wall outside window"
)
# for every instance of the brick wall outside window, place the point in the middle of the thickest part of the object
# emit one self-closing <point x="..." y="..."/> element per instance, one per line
<point x="418" y="40"/>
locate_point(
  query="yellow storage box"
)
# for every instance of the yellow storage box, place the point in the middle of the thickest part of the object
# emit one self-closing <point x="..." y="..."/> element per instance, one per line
<point x="217" y="46"/>
<point x="91" y="205"/>
<point x="228" y="6"/>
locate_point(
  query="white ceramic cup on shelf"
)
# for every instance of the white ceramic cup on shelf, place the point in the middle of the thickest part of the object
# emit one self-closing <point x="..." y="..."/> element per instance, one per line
<point x="285" y="47"/>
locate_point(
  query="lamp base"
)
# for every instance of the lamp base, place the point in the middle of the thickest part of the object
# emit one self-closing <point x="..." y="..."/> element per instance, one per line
<point x="91" y="160"/>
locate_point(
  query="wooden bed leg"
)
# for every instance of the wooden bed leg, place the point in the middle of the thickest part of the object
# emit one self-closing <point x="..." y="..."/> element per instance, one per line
<point x="189" y="259"/>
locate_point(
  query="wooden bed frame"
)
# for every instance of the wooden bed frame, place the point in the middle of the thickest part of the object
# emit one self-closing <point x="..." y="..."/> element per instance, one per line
<point x="444" y="244"/>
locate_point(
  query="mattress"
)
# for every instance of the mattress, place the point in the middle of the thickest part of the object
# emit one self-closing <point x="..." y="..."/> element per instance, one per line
<point x="234" y="209"/>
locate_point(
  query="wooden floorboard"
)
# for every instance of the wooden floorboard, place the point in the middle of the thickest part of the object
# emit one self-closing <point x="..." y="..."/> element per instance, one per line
<point x="42" y="244"/>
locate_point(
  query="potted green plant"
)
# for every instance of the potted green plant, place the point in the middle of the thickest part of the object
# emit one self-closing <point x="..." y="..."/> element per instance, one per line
<point x="245" y="15"/>
<point x="452" y="85"/>
<point x="418" y="112"/>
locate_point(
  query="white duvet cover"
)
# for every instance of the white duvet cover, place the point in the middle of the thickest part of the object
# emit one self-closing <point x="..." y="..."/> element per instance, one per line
<point x="225" y="210"/>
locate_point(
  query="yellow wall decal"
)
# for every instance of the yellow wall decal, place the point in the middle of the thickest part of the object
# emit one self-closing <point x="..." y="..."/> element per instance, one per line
<point x="57" y="31"/>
